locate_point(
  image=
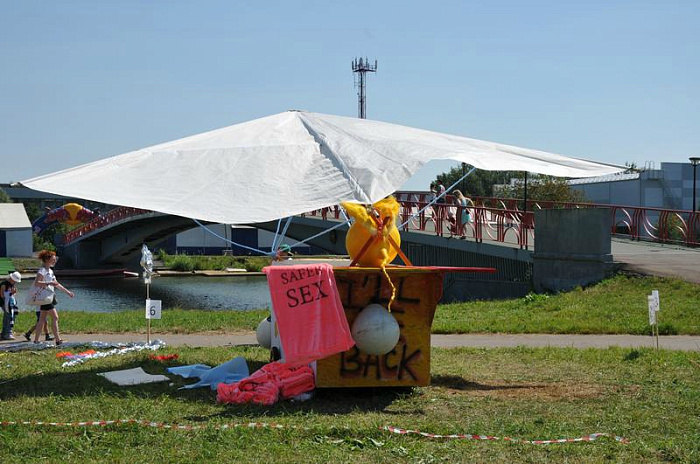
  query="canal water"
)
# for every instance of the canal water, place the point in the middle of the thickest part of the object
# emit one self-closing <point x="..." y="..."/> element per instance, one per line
<point x="110" y="294"/>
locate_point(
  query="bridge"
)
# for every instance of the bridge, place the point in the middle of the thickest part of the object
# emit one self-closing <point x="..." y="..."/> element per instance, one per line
<point x="500" y="234"/>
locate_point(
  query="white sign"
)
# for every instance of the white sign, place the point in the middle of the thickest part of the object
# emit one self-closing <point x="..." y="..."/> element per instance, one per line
<point x="153" y="309"/>
<point x="655" y="296"/>
<point x="652" y="309"/>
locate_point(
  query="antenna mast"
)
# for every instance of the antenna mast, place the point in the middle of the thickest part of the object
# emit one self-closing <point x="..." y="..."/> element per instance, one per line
<point x="360" y="68"/>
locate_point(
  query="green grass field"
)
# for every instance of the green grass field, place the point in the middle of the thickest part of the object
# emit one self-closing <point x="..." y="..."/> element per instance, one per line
<point x="650" y="398"/>
<point x="615" y="306"/>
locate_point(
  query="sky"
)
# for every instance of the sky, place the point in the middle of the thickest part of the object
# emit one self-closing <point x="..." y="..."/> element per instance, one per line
<point x="611" y="81"/>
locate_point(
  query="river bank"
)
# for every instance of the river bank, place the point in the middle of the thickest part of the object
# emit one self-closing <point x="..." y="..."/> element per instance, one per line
<point x="211" y="273"/>
<point x="187" y="291"/>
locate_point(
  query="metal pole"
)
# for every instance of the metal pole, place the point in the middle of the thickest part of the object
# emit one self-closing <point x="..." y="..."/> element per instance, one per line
<point x="694" y="160"/>
<point x="695" y="171"/>
<point x="148" y="297"/>
<point x="362" y="108"/>
<point x="655" y="330"/>
<point x="361" y="67"/>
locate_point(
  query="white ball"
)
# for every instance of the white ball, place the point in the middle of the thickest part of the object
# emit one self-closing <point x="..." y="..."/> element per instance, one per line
<point x="264" y="333"/>
<point x="375" y="330"/>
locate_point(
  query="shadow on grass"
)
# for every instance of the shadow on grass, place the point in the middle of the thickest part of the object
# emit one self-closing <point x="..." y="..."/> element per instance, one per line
<point x="85" y="383"/>
<point x="327" y="401"/>
<point x="456" y="382"/>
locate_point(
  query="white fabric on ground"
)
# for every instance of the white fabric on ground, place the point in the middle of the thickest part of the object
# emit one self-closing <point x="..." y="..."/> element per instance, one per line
<point x="135" y="376"/>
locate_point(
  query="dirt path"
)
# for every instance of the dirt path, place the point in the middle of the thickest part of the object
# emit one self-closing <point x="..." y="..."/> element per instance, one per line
<point x="676" y="342"/>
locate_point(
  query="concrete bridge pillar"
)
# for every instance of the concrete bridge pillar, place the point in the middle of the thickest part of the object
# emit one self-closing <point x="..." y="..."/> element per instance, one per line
<point x="572" y="248"/>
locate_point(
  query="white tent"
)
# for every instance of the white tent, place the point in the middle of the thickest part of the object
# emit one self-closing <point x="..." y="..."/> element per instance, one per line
<point x="286" y="164"/>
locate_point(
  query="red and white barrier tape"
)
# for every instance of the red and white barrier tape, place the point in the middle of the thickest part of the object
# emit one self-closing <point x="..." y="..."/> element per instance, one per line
<point x="146" y="423"/>
<point x="590" y="437"/>
<point x="262" y="425"/>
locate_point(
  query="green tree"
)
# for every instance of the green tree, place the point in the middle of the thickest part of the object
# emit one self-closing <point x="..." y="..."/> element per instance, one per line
<point x="33" y="211"/>
<point x="39" y="243"/>
<point x="544" y="188"/>
<point x="4" y="197"/>
<point x="539" y="187"/>
<point x="631" y="167"/>
<point x="479" y="183"/>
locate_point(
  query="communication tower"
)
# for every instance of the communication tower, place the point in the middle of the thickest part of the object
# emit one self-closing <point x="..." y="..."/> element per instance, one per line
<point x="361" y="68"/>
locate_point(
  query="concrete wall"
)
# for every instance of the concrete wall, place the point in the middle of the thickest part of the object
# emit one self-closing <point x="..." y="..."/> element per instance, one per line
<point x="572" y="248"/>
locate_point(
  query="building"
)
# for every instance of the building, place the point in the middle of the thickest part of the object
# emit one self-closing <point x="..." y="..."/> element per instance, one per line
<point x="15" y="231"/>
<point x="670" y="187"/>
<point x="43" y="200"/>
<point x="198" y="241"/>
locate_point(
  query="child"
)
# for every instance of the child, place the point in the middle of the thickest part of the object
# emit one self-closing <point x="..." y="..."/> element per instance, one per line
<point x="9" y="305"/>
<point x="45" y="278"/>
<point x="14" y="310"/>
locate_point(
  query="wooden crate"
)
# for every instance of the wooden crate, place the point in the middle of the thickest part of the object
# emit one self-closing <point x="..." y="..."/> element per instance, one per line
<point x="418" y="290"/>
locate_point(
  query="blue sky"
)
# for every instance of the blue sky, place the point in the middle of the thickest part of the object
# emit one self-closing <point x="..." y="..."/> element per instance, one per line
<point x="613" y="81"/>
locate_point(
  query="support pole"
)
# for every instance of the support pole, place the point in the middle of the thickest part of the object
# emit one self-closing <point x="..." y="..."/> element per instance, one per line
<point x="525" y="194"/>
<point x="695" y="181"/>
<point x="148" y="331"/>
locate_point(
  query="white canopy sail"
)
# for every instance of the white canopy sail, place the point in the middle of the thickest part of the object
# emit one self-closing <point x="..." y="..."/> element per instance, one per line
<point x="287" y="164"/>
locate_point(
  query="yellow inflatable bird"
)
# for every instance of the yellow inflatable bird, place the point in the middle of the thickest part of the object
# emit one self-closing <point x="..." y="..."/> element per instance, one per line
<point x="375" y="225"/>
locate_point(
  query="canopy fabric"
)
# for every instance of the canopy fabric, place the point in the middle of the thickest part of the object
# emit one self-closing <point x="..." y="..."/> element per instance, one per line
<point x="286" y="164"/>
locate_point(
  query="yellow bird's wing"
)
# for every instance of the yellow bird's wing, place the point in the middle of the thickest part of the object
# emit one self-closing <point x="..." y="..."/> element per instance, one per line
<point x="359" y="213"/>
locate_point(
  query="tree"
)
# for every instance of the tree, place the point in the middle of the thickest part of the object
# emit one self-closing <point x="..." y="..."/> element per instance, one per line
<point x="544" y="188"/>
<point x="479" y="183"/>
<point x="631" y="167"/>
<point x="539" y="187"/>
<point x="33" y="211"/>
<point x="4" y="197"/>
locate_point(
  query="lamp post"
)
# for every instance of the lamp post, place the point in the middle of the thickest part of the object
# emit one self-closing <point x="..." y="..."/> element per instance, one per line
<point x="694" y="160"/>
<point x="525" y="194"/>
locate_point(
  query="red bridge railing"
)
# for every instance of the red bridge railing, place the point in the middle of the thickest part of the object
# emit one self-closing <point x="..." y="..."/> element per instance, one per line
<point x="496" y="219"/>
<point x="635" y="222"/>
<point x="108" y="218"/>
<point x="448" y="220"/>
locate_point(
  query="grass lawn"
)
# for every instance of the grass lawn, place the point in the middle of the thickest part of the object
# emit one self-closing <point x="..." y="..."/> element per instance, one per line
<point x="651" y="398"/>
<point x="614" y="306"/>
<point x="173" y="321"/>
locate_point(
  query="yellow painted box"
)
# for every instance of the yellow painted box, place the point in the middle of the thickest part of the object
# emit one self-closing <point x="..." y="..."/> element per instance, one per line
<point x="418" y="290"/>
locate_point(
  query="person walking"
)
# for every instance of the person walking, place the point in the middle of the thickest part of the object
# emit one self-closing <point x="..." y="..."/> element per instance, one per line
<point x="46" y="278"/>
<point x="47" y="335"/>
<point x="9" y="304"/>
<point x="440" y="191"/>
<point x="465" y="218"/>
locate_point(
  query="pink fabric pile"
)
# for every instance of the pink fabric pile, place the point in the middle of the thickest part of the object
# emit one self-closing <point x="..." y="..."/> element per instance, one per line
<point x="271" y="383"/>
